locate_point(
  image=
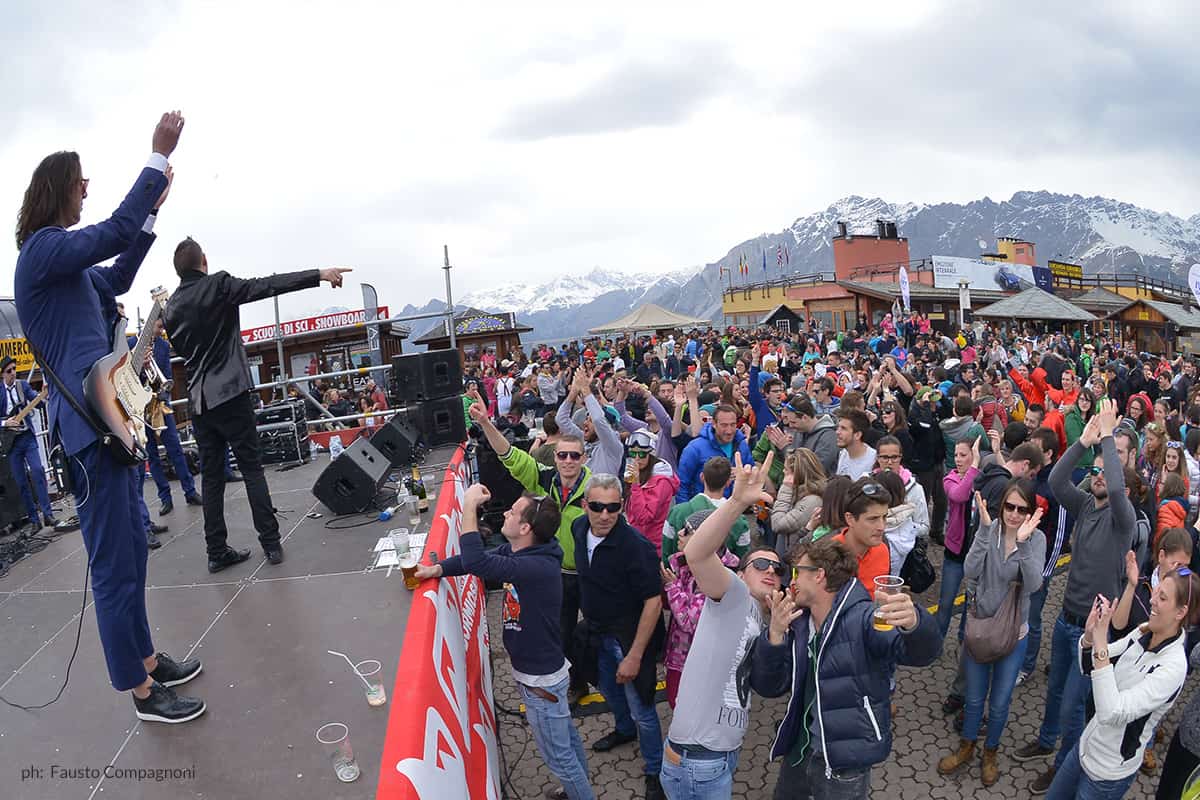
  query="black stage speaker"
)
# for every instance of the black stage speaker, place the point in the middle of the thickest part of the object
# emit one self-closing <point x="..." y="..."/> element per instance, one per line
<point x="399" y="441"/>
<point x="439" y="421"/>
<point x="12" y="508"/>
<point x="351" y="481"/>
<point x="503" y="487"/>
<point x="426" y="376"/>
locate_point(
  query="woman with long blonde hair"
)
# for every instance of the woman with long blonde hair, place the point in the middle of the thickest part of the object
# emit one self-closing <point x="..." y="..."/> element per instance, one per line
<point x="798" y="499"/>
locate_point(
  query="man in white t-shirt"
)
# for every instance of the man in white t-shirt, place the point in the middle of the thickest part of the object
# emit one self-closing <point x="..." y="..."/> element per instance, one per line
<point x="855" y="457"/>
<point x="712" y="710"/>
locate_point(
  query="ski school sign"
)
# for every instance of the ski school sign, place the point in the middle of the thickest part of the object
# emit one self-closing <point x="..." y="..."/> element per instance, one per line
<point x="309" y="325"/>
<point x="441" y="737"/>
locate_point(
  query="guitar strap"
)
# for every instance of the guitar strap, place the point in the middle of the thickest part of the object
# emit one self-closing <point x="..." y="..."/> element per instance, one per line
<point x="118" y="449"/>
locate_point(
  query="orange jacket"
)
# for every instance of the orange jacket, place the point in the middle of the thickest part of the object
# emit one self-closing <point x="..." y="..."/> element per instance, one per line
<point x="1171" y="514"/>
<point x="1030" y="387"/>
<point x="1055" y="421"/>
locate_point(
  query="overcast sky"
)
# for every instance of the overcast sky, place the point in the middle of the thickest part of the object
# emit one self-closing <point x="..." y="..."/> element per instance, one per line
<point x="536" y="139"/>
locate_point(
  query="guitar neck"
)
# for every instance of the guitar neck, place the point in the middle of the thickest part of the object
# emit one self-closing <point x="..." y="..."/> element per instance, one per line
<point x="30" y="406"/>
<point x="144" y="338"/>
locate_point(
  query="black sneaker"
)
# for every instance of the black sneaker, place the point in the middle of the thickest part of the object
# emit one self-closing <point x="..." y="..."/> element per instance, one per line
<point x="163" y="705"/>
<point x="170" y="672"/>
<point x="1041" y="784"/>
<point x="1032" y="752"/>
<point x="274" y="553"/>
<point x="152" y="541"/>
<point x="952" y="704"/>
<point x="167" y="508"/>
<point x="51" y="522"/>
<point x="654" y="790"/>
<point x="614" y="739"/>
<point x="194" y="499"/>
<point x="156" y="529"/>
<point x="227" y="559"/>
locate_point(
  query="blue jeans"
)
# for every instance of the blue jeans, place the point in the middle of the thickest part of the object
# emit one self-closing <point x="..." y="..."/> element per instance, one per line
<point x="698" y="778"/>
<point x="1066" y="693"/>
<point x="25" y="453"/>
<point x="169" y="436"/>
<point x="1072" y="783"/>
<point x="628" y="708"/>
<point x="952" y="577"/>
<point x="558" y="739"/>
<point x="1001" y="676"/>
<point x="1037" y="601"/>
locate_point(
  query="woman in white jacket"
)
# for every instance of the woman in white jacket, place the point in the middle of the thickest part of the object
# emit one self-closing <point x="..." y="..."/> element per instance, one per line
<point x="1134" y="682"/>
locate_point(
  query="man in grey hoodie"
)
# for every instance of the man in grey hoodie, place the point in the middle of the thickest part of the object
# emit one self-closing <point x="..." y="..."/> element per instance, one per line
<point x="1103" y="534"/>
<point x="816" y="432"/>
<point x="961" y="427"/>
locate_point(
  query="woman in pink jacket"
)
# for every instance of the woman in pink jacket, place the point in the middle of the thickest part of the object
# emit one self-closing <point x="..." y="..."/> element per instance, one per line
<point x="652" y="487"/>
<point x="959" y="484"/>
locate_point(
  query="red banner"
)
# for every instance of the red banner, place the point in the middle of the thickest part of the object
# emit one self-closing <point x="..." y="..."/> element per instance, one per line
<point x="309" y="324"/>
<point x="441" y="737"/>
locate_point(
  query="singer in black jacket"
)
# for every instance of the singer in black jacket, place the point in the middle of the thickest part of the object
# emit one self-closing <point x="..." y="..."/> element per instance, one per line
<point x="204" y="326"/>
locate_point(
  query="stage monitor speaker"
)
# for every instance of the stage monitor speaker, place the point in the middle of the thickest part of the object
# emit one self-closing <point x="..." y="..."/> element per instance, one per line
<point x="440" y="421"/>
<point x="351" y="481"/>
<point x="12" y="507"/>
<point x="399" y="441"/>
<point x="426" y="376"/>
<point x="503" y="487"/>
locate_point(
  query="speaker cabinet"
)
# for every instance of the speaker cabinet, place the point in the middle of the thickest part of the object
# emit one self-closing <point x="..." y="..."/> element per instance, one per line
<point x="440" y="421"/>
<point x="351" y="481"/>
<point x="399" y="441"/>
<point x="501" y="485"/>
<point x="426" y="376"/>
<point x="12" y="508"/>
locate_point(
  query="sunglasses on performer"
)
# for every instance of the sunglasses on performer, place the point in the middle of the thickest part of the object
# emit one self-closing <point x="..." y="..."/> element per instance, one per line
<point x="768" y="564"/>
<point x="568" y="455"/>
<point x="611" y="508"/>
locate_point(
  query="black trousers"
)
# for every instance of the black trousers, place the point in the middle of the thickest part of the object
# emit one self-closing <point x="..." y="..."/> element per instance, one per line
<point x="231" y="424"/>
<point x="568" y="621"/>
<point x="1177" y="768"/>
<point x="935" y="495"/>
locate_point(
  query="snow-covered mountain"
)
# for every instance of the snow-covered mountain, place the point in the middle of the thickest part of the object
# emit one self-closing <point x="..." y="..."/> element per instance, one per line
<point x="1102" y="234"/>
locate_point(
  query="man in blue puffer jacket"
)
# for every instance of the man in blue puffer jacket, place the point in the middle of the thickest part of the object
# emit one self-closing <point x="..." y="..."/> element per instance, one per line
<point x="721" y="437"/>
<point x="822" y="643"/>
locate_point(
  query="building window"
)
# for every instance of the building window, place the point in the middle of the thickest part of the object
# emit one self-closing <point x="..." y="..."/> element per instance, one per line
<point x="825" y="318"/>
<point x="784" y="325"/>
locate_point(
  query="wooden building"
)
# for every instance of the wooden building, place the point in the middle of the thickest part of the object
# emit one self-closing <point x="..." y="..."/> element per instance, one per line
<point x="475" y="333"/>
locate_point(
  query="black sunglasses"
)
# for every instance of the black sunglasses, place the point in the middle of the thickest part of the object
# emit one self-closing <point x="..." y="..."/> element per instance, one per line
<point x="764" y="564"/>
<point x="565" y="455"/>
<point x="1012" y="508"/>
<point x="611" y="508"/>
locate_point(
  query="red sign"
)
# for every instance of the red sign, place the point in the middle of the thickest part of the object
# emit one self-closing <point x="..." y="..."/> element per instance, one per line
<point x="441" y="736"/>
<point x="265" y="333"/>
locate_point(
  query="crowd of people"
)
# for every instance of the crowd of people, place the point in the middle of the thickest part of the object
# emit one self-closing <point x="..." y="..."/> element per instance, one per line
<point x="754" y="510"/>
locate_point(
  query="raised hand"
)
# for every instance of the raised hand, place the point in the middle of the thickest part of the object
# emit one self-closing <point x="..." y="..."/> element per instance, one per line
<point x="975" y="457"/>
<point x="476" y="495"/>
<point x="1107" y="417"/>
<point x="478" y="413"/>
<point x="1131" y="568"/>
<point x="166" y="133"/>
<point x="162" y="198"/>
<point x="1091" y="432"/>
<point x="783" y="613"/>
<point x="1029" y="525"/>
<point x="748" y="481"/>
<point x="984" y="517"/>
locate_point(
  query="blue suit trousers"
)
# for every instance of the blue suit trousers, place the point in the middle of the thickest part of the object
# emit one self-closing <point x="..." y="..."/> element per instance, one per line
<point x="107" y="500"/>
<point x="25" y="453"/>
<point x="170" y="442"/>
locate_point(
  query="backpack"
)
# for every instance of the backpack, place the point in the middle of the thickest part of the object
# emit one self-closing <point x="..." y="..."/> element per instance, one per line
<point x="918" y="573"/>
<point x="1142" y="534"/>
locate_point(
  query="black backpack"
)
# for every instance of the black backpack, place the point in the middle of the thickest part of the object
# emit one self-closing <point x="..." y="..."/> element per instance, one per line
<point x="918" y="573"/>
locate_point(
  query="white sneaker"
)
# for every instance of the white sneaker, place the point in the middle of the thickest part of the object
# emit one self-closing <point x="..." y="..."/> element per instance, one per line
<point x="1022" y="676"/>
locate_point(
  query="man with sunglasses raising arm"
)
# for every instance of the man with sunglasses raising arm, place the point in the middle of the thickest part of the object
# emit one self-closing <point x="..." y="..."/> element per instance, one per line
<point x="1103" y="533"/>
<point x="712" y="709"/>
<point x="563" y="484"/>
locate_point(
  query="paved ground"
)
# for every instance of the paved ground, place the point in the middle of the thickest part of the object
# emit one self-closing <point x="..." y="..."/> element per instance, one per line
<point x="921" y="736"/>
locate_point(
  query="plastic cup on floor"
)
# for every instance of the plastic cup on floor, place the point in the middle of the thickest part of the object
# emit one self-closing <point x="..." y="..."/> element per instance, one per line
<point x="335" y="737"/>
<point x="376" y="693"/>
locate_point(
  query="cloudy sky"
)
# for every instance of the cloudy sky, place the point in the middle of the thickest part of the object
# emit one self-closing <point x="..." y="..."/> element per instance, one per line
<point x="542" y="138"/>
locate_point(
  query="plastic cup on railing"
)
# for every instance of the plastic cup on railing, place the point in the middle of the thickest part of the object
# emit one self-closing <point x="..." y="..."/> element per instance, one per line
<point x="335" y="738"/>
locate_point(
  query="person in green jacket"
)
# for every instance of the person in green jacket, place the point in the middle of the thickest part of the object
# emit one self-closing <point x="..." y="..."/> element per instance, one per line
<point x="563" y="484"/>
<point x="1076" y="419"/>
<point x="714" y="476"/>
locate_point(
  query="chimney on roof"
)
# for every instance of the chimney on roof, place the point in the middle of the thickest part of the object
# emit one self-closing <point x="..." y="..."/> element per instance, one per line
<point x="892" y="231"/>
<point x="881" y="229"/>
<point x="841" y="228"/>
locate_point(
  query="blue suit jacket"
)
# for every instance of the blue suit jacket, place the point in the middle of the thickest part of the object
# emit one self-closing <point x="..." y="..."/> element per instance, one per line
<point x="67" y="306"/>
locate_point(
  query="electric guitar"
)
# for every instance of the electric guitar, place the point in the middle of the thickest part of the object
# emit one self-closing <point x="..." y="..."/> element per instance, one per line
<point x="9" y="433"/>
<point x="113" y="386"/>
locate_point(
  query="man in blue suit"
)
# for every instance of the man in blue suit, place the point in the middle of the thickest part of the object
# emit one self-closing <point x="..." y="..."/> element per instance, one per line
<point x="67" y="307"/>
<point x="24" y="451"/>
<point x="169" y="436"/>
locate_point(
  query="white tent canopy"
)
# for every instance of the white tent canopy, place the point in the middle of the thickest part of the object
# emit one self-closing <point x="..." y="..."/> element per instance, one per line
<point x="651" y="318"/>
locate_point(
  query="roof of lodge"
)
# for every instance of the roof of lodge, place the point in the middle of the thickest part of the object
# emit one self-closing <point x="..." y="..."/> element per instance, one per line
<point x="1036" y="303"/>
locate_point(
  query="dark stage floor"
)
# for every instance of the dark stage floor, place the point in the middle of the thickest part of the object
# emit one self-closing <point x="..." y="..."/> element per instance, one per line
<point x="262" y="633"/>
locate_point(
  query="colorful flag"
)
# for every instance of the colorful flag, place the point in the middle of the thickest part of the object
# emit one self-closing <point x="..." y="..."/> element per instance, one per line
<point x="779" y="256"/>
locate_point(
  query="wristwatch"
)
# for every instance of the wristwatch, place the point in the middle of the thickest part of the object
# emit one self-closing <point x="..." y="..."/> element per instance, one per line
<point x="1100" y="654"/>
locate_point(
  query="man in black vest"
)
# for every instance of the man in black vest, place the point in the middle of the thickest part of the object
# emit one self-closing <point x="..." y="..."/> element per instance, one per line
<point x="204" y="326"/>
